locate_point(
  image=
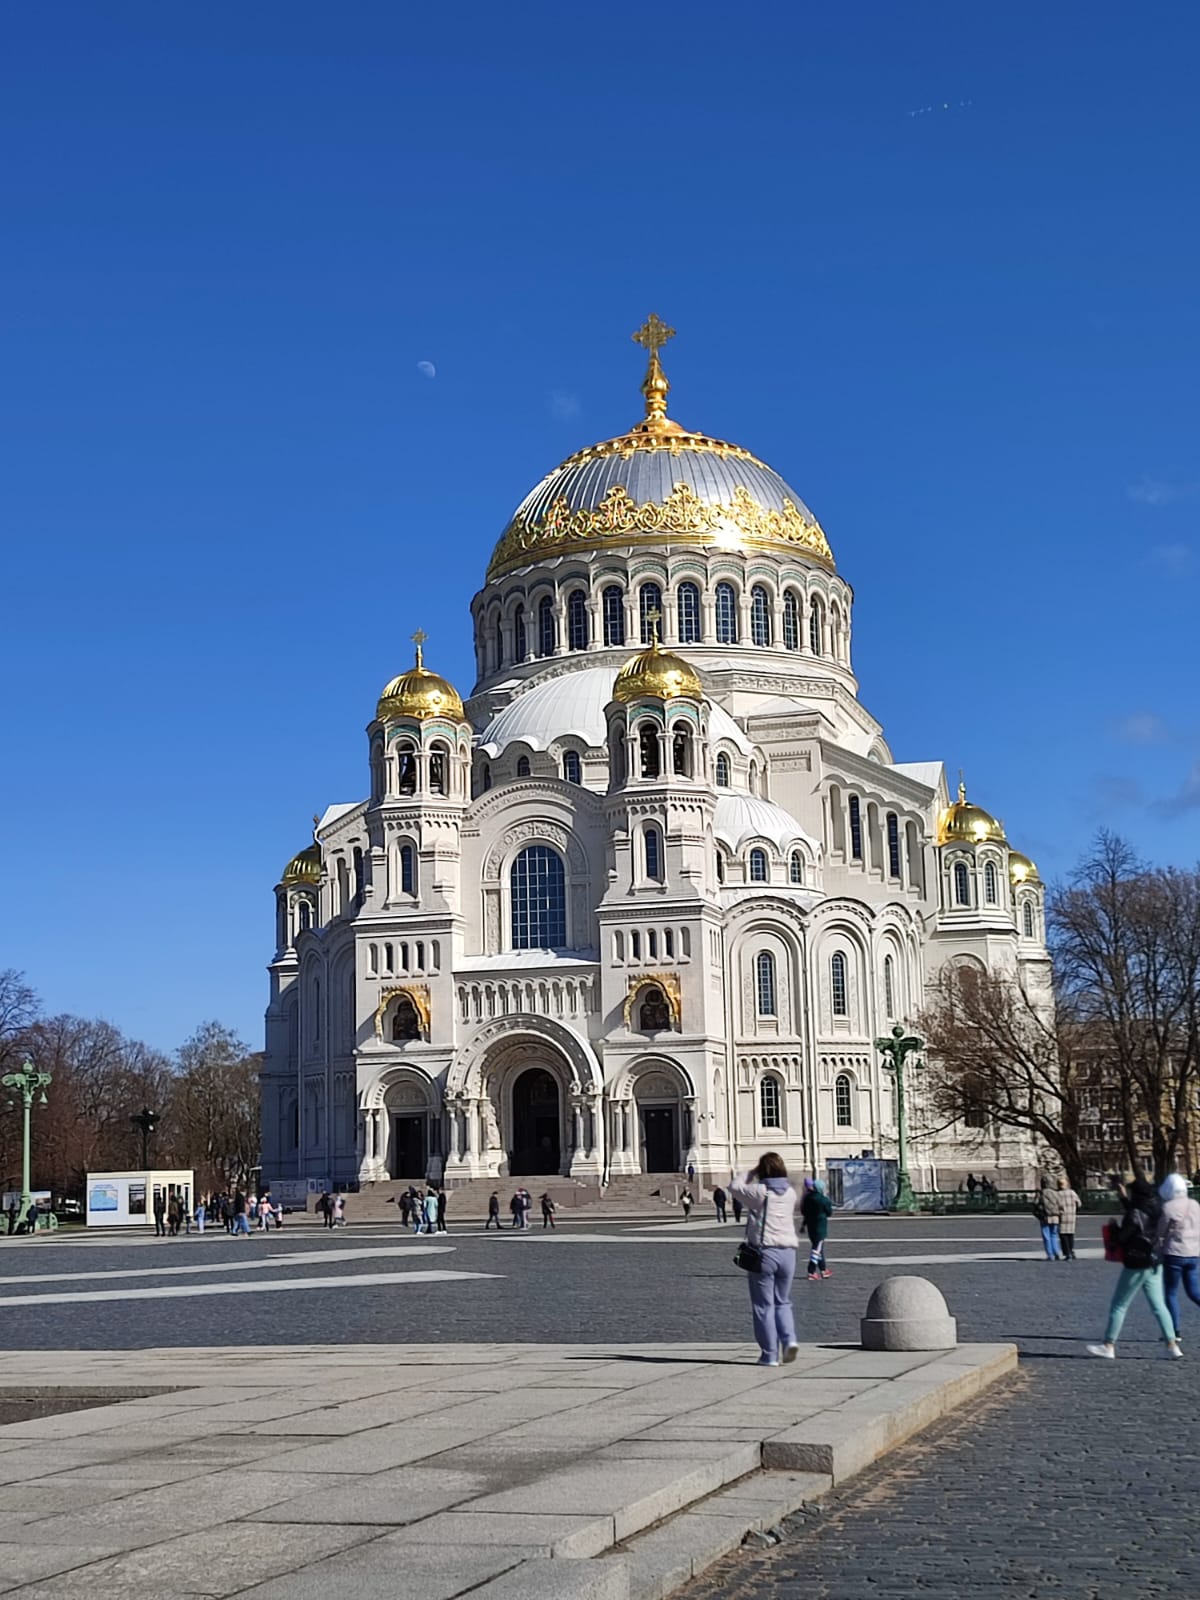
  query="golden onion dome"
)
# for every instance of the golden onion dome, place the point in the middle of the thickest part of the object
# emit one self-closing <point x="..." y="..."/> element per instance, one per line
<point x="303" y="868"/>
<point x="420" y="694"/>
<point x="657" y="674"/>
<point x="1021" y="869"/>
<point x="968" y="824"/>
<point x="659" y="484"/>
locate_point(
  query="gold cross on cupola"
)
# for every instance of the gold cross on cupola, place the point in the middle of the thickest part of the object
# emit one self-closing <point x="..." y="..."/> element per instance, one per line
<point x="652" y="335"/>
<point x="654" y="618"/>
<point x="419" y="639"/>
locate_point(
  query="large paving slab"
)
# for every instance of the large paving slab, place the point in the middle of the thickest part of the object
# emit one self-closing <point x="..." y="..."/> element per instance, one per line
<point x="423" y="1472"/>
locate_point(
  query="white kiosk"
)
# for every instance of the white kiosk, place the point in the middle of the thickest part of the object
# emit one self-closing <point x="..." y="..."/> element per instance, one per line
<point x="126" y="1199"/>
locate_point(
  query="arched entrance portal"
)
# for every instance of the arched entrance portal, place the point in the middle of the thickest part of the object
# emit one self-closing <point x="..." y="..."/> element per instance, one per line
<point x="537" y="1124"/>
<point x="406" y="1134"/>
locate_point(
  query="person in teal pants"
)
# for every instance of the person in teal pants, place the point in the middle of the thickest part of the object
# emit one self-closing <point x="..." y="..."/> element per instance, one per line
<point x="1140" y="1218"/>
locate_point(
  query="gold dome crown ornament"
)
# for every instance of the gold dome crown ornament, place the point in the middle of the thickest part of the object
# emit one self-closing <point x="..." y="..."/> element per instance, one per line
<point x="303" y="868"/>
<point x="419" y="693"/>
<point x="657" y="674"/>
<point x="965" y="823"/>
<point x="1021" y="869"/>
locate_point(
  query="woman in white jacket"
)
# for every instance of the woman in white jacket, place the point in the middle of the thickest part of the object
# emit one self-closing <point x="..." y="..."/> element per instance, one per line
<point x="771" y="1202"/>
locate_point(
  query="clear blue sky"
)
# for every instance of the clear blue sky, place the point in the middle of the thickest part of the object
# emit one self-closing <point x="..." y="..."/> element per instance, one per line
<point x="968" y="335"/>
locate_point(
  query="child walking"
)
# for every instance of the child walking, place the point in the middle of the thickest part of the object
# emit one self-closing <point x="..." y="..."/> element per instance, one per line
<point x="816" y="1208"/>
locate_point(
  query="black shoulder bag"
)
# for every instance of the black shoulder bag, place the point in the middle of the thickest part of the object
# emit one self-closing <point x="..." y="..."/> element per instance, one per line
<point x="750" y="1256"/>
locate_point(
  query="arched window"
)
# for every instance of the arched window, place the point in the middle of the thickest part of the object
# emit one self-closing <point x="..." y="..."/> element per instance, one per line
<point x="687" y="604"/>
<point x="754" y="777"/>
<point x="962" y="884"/>
<point x="681" y="752"/>
<point x="856" y="853"/>
<point x="520" y="639"/>
<point x="990" y="883"/>
<point x="439" y="769"/>
<point x="843" y="1101"/>
<point x="360" y="882"/>
<point x="722" y="770"/>
<point x="893" y="839"/>
<point x="577" y="620"/>
<point x="796" y="867"/>
<point x="816" y="627"/>
<point x="653" y="847"/>
<point x="649" y="611"/>
<point x="1028" y="916"/>
<point x="770" y="1104"/>
<point x="408" y="869"/>
<point x="720" y="866"/>
<point x="652" y="944"/>
<point x="764" y="984"/>
<point x="572" y="767"/>
<point x="487" y="777"/>
<point x="304" y="915"/>
<point x="727" y="614"/>
<point x="669" y="943"/>
<point x="523" y="768"/>
<point x="405" y="1022"/>
<point x="539" y="900"/>
<point x="760" y="615"/>
<point x="648" y="749"/>
<point x="635" y="945"/>
<point x="406" y="769"/>
<point x="838" y="993"/>
<point x="547" y="632"/>
<point x="758" y="866"/>
<point x="377" y="770"/>
<point x="889" y="988"/>
<point x="654" y="1014"/>
<point x="791" y="621"/>
<point x="613" y="604"/>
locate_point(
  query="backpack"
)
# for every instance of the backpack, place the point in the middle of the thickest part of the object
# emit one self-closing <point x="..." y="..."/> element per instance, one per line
<point x="1136" y="1238"/>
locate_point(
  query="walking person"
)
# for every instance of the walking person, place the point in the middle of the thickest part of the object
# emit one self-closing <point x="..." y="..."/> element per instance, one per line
<point x="771" y="1225"/>
<point x="241" y="1224"/>
<point x="736" y="1203"/>
<point x="1046" y="1211"/>
<point x="405" y="1209"/>
<point x="160" y="1214"/>
<point x="493" y="1212"/>
<point x="547" y="1213"/>
<point x="685" y="1200"/>
<point x="1136" y="1236"/>
<point x="201" y="1212"/>
<point x="816" y="1208"/>
<point x="417" y="1207"/>
<point x="431" y="1211"/>
<point x="339" y="1212"/>
<point x="514" y="1205"/>
<point x="1068" y="1212"/>
<point x="719" y="1199"/>
<point x="526" y="1207"/>
<point x="325" y="1209"/>
<point x="441" y="1210"/>
<point x="1179" y="1240"/>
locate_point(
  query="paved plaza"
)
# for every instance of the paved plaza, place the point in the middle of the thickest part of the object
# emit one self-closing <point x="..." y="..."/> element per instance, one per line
<point x="537" y="1365"/>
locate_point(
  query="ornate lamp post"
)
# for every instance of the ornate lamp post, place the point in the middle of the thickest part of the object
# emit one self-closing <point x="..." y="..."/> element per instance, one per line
<point x="27" y="1083"/>
<point x="895" y="1050"/>
<point x="147" y="1121"/>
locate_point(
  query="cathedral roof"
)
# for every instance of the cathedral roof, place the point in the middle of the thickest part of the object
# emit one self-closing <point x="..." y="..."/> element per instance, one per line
<point x="741" y="818"/>
<point x="573" y="704"/>
<point x="659" y="484"/>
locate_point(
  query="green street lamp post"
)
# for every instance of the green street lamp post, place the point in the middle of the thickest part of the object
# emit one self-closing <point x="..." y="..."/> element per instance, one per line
<point x="28" y="1083"/>
<point x="896" y="1049"/>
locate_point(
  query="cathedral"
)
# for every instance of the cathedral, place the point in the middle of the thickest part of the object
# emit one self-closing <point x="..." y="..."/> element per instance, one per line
<point x="645" y="900"/>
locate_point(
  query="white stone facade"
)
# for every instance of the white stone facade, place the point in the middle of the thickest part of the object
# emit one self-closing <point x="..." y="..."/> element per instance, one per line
<point x="735" y="903"/>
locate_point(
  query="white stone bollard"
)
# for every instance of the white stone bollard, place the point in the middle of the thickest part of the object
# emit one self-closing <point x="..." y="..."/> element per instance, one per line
<point x="908" y="1314"/>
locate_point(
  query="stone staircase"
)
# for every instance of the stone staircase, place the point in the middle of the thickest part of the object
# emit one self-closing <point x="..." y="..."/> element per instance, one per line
<point x="644" y="1194"/>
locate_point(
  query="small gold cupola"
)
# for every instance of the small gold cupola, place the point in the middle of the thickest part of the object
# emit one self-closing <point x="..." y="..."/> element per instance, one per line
<point x="303" y="868"/>
<point x="965" y="823"/>
<point x="657" y="674"/>
<point x="1021" y="869"/>
<point x="419" y="693"/>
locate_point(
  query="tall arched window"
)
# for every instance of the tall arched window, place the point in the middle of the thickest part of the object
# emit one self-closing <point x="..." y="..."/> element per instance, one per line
<point x="843" y="1101"/>
<point x="796" y="867"/>
<point x="838" y="992"/>
<point x="816" y="628"/>
<point x="791" y="621"/>
<point x="764" y="984"/>
<point x="962" y="884"/>
<point x="727" y="614"/>
<point x="520" y="638"/>
<point x="649" y="611"/>
<point x="1028" y="919"/>
<point x="577" y="620"/>
<point x="893" y="839"/>
<point x="856" y="853"/>
<point x="539" y="900"/>
<point x="760" y="615"/>
<point x="991" y="883"/>
<point x="889" y="988"/>
<point x="408" y="869"/>
<point x="572" y="767"/>
<point x="720" y="867"/>
<point x="648" y="755"/>
<point x="496" y="638"/>
<point x="613" y="605"/>
<point x="304" y="916"/>
<point x="360" y="881"/>
<point x="722" y="770"/>
<point x="770" y="1104"/>
<point x="758" y="866"/>
<point x="652" y="841"/>
<point x="547" y="632"/>
<point x="523" y="768"/>
<point x="687" y="605"/>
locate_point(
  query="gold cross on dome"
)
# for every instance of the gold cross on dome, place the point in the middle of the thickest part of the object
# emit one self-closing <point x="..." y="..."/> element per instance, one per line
<point x="653" y="334"/>
<point x="654" y="617"/>
<point x="419" y="639"/>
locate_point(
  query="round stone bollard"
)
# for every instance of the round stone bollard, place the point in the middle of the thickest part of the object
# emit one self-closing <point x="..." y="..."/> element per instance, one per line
<point x="908" y="1314"/>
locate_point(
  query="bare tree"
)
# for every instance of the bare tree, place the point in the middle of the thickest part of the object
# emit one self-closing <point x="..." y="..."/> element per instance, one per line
<point x="214" y="1111"/>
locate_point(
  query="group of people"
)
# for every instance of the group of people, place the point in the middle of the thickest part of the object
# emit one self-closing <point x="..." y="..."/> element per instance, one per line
<point x="331" y="1208"/>
<point x="1157" y="1242"/>
<point x="1056" y="1210"/>
<point x="520" y="1205"/>
<point x="423" y="1213"/>
<point x="235" y="1211"/>
<point x="982" y="1188"/>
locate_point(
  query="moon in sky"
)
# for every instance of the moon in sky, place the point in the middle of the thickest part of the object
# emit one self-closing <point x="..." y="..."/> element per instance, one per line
<point x="427" y="368"/>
